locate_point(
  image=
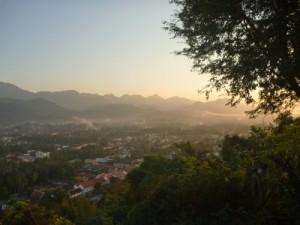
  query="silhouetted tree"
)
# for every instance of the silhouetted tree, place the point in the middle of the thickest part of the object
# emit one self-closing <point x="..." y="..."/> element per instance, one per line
<point x="245" y="45"/>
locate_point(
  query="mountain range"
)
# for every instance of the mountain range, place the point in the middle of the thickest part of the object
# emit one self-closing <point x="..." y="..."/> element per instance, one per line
<point x="80" y="101"/>
<point x="18" y="105"/>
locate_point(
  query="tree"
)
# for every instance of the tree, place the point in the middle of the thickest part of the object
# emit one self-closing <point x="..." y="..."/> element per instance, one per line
<point x="246" y="46"/>
<point x="22" y="213"/>
<point x="269" y="160"/>
<point x="83" y="209"/>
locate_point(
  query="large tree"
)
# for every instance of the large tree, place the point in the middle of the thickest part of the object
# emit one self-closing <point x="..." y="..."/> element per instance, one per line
<point x="248" y="47"/>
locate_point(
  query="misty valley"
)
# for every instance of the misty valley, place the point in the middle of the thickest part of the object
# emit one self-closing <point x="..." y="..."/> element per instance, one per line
<point x="90" y="173"/>
<point x="18" y="106"/>
<point x="83" y="160"/>
<point x="137" y="160"/>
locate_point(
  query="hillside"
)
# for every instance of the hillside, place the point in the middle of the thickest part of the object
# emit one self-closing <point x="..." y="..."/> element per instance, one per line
<point x="12" y="110"/>
<point x="82" y="101"/>
<point x="19" y="105"/>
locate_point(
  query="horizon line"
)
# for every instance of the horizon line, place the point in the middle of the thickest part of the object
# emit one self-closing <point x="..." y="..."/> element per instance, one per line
<point x="109" y="94"/>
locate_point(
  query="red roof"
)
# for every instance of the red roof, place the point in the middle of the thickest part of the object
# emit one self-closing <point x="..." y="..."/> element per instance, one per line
<point x="37" y="194"/>
<point x="88" y="183"/>
<point x="109" y="175"/>
<point x="100" y="175"/>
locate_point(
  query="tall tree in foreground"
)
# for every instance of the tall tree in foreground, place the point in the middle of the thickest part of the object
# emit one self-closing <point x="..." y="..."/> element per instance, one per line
<point x="246" y="46"/>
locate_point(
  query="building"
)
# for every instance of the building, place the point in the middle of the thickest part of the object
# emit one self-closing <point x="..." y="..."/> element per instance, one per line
<point x="37" y="194"/>
<point x="40" y="154"/>
<point x="86" y="186"/>
<point x="75" y="192"/>
<point x="104" y="178"/>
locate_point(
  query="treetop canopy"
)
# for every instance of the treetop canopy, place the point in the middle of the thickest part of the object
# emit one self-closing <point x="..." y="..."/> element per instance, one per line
<point x="246" y="46"/>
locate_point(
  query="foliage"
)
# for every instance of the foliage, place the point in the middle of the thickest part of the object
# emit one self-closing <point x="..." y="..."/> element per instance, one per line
<point x="270" y="162"/>
<point x="246" y="46"/>
<point x="23" y="213"/>
<point x="255" y="181"/>
<point x="18" y="176"/>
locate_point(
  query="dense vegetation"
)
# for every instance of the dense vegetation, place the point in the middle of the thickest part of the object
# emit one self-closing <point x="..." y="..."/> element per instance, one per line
<point x="255" y="180"/>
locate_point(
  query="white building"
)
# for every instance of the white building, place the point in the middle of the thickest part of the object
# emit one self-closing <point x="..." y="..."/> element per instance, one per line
<point x="101" y="160"/>
<point x="40" y="154"/>
<point x="86" y="186"/>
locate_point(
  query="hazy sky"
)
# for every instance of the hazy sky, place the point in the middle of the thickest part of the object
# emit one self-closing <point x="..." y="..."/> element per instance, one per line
<point x="93" y="46"/>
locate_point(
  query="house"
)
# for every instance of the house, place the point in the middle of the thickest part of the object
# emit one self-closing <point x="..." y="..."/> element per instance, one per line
<point x="40" y="154"/>
<point x="74" y="161"/>
<point x="121" y="165"/>
<point x="75" y="192"/>
<point x="86" y="186"/>
<point x="111" y="168"/>
<point x="101" y="160"/>
<point x="32" y="153"/>
<point x="109" y="146"/>
<point x="11" y="156"/>
<point x="137" y="162"/>
<point x="99" y="176"/>
<point x="37" y="194"/>
<point x="27" y="158"/>
<point x="89" y="161"/>
<point x="104" y="178"/>
<point x="121" y="174"/>
<point x="104" y="160"/>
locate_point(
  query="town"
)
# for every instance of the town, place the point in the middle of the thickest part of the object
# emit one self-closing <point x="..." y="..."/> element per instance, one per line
<point x="82" y="158"/>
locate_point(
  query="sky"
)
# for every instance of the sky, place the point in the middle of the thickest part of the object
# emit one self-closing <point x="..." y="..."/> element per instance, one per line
<point x="94" y="46"/>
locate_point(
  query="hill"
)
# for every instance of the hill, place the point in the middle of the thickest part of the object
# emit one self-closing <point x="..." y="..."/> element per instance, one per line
<point x="19" y="105"/>
<point x="12" y="110"/>
<point x="82" y="101"/>
<point x="11" y="91"/>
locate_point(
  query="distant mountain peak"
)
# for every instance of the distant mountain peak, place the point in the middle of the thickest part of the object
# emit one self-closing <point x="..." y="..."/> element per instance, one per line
<point x="73" y="99"/>
<point x="155" y="97"/>
<point x="128" y="96"/>
<point x="109" y="95"/>
<point x="68" y="92"/>
<point x="7" y="85"/>
<point x="20" y="105"/>
<point x="12" y="91"/>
